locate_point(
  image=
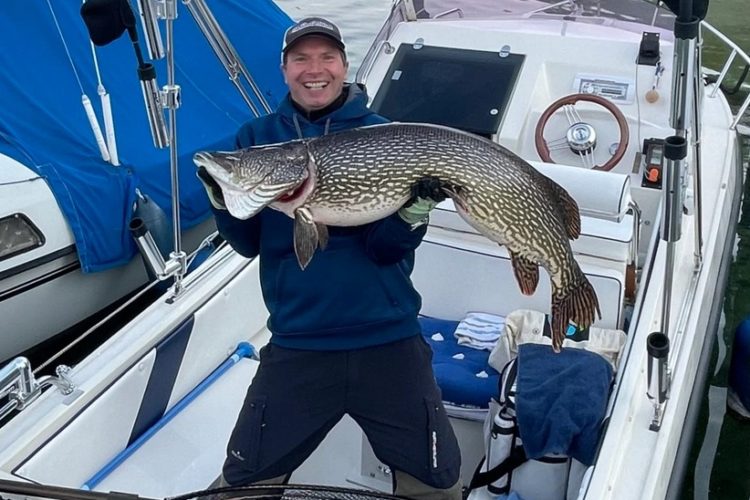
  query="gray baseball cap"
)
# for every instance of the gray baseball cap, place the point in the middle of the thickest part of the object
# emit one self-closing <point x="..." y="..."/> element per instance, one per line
<point x="313" y="26"/>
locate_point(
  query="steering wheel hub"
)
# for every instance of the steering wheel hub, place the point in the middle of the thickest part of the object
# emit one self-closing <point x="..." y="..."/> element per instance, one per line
<point x="581" y="138"/>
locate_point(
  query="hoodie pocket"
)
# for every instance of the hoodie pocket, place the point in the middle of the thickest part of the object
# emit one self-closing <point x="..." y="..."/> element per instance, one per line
<point x="340" y="289"/>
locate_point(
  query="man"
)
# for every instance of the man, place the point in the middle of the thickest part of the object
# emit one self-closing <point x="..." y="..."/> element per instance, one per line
<point x="345" y="336"/>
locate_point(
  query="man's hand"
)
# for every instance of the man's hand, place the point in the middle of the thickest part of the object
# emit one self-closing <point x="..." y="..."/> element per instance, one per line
<point x="213" y="190"/>
<point x="425" y="195"/>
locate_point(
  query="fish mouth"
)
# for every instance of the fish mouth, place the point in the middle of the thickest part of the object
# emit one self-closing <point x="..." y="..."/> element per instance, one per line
<point x="220" y="174"/>
<point x="295" y="192"/>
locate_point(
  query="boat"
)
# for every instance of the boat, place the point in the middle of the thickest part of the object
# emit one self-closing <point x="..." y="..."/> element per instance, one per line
<point x="72" y="167"/>
<point x="738" y="391"/>
<point x="611" y="100"/>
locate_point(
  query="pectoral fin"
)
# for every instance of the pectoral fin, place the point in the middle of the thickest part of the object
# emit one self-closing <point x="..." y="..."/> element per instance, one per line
<point x="307" y="236"/>
<point x="527" y="273"/>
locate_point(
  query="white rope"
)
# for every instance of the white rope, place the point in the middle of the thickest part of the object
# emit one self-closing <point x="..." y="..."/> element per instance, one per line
<point x="85" y="101"/>
<point x="109" y="125"/>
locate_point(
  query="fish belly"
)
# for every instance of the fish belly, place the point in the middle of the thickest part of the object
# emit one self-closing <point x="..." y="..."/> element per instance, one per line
<point x="351" y="215"/>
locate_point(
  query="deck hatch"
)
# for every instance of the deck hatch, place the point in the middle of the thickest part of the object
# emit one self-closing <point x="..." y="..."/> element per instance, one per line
<point x="465" y="89"/>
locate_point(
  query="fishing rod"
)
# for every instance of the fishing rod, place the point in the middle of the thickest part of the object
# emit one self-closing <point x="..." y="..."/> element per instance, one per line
<point x="61" y="493"/>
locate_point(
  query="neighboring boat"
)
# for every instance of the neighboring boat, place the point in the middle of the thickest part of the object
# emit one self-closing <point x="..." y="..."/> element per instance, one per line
<point x="567" y="86"/>
<point x="738" y="393"/>
<point x="65" y="248"/>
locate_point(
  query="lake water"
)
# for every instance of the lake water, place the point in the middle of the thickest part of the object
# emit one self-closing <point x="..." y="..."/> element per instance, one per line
<point x="720" y="467"/>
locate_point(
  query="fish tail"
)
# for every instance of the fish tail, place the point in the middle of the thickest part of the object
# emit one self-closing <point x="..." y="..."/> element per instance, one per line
<point x="577" y="304"/>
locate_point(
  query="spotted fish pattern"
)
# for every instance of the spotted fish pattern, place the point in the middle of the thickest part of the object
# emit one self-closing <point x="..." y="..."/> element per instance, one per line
<point x="362" y="175"/>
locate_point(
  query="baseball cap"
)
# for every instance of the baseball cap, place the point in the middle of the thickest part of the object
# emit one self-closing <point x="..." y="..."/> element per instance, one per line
<point x="313" y="26"/>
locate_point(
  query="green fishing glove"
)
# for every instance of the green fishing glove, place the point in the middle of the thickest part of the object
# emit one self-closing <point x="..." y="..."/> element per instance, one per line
<point x="426" y="194"/>
<point x="215" y="196"/>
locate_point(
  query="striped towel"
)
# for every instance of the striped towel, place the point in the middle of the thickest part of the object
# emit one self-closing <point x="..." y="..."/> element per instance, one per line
<point x="479" y="330"/>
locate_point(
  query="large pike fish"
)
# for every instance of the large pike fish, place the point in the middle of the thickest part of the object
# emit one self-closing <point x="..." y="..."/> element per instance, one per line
<point x="362" y="175"/>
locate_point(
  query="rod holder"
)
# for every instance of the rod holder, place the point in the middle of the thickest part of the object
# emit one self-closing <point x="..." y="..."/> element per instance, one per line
<point x="675" y="152"/>
<point x="657" y="347"/>
<point x="683" y="69"/>
<point x="154" y="106"/>
<point x="154" y="260"/>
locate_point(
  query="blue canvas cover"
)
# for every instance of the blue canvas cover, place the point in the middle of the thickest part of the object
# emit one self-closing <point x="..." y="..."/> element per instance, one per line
<point x="44" y="126"/>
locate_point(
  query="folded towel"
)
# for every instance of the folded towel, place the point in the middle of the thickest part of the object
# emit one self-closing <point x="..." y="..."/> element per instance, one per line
<point x="479" y="330"/>
<point x="561" y="400"/>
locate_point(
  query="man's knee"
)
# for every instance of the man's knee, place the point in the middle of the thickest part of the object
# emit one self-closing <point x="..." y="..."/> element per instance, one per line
<point x="408" y="486"/>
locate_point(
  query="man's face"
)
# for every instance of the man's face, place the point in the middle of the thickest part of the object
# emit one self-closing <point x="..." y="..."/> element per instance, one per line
<point x="315" y="71"/>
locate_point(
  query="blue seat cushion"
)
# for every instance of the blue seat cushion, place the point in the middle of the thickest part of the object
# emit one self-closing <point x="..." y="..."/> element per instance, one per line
<point x="458" y="378"/>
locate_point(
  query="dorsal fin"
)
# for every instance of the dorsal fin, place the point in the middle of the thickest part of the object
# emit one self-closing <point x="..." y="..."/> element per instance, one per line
<point x="568" y="208"/>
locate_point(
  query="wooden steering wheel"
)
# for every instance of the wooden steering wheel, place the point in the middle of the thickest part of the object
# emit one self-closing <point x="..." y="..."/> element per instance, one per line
<point x="580" y="136"/>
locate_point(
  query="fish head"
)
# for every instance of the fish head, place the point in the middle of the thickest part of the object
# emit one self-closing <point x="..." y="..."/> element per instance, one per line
<point x="255" y="177"/>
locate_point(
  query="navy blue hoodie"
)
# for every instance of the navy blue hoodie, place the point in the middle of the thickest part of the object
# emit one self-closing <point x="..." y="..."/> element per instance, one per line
<point x="357" y="292"/>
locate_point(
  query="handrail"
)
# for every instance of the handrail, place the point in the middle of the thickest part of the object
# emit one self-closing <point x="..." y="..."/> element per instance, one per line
<point x="384" y="44"/>
<point x="735" y="50"/>
<point x="449" y="12"/>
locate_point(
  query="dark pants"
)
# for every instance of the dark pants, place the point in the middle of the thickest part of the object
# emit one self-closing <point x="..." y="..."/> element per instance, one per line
<point x="298" y="396"/>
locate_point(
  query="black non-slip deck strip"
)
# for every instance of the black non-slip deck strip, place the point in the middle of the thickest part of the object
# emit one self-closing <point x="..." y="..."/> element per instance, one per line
<point x="169" y="354"/>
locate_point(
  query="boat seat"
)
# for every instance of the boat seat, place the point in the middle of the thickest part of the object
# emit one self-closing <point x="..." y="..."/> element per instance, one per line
<point x="602" y="195"/>
<point x="463" y="373"/>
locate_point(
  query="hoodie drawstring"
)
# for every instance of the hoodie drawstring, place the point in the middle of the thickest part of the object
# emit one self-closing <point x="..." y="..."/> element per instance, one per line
<point x="296" y="126"/>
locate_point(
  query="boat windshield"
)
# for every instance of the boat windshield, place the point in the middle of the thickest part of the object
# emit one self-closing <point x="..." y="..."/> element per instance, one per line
<point x="630" y="15"/>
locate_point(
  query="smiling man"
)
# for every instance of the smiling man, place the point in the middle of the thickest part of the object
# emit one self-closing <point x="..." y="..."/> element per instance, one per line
<point x="314" y="64"/>
<point x="344" y="332"/>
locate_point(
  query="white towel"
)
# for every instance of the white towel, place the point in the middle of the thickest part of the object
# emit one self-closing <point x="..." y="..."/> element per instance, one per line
<point x="479" y="330"/>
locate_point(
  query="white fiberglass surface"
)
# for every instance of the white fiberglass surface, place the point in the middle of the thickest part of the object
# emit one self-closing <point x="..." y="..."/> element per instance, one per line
<point x="187" y="454"/>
